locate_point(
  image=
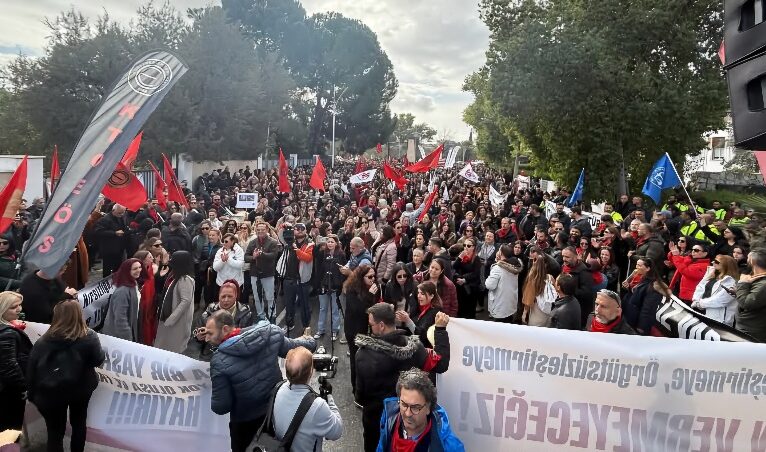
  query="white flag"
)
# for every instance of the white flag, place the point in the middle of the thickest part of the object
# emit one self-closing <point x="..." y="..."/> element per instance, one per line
<point x="431" y="182"/>
<point x="445" y="194"/>
<point x="495" y="197"/>
<point x="469" y="173"/>
<point x="422" y="152"/>
<point x="344" y="187"/>
<point x="451" y="157"/>
<point x="363" y="177"/>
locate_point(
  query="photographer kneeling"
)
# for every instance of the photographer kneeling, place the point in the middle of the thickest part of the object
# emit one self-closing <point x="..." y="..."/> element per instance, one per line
<point x="321" y="421"/>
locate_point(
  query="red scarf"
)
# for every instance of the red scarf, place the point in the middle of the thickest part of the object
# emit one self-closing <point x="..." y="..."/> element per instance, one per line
<point x="422" y="309"/>
<point x="231" y="334"/>
<point x="399" y="444"/>
<point x="598" y="327"/>
<point x="566" y="269"/>
<point x="466" y="258"/>
<point x="502" y="233"/>
<point x="18" y="324"/>
<point x="598" y="278"/>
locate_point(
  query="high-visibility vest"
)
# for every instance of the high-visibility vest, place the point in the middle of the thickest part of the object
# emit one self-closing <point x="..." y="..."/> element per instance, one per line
<point x="739" y="222"/>
<point x="616" y="217"/>
<point x="693" y="230"/>
<point x="720" y="214"/>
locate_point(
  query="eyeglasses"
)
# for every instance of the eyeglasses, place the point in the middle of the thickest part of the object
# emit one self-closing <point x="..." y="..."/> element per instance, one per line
<point x="468" y="245"/>
<point x="697" y="250"/>
<point x="414" y="409"/>
<point x="402" y="276"/>
<point x="157" y="245"/>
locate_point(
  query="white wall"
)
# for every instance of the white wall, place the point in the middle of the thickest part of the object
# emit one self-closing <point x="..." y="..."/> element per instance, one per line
<point x="35" y="164"/>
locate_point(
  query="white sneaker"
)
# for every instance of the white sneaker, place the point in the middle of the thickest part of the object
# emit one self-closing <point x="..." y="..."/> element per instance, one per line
<point x="318" y="335"/>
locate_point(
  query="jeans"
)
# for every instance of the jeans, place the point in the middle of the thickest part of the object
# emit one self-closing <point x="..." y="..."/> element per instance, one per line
<point x="55" y="420"/>
<point x="330" y="298"/>
<point x="296" y="294"/>
<point x="267" y="284"/>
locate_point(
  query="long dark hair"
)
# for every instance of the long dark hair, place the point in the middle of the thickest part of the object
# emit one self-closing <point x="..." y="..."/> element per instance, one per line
<point x="386" y="234"/>
<point x="181" y="263"/>
<point x="394" y="291"/>
<point x="355" y="281"/>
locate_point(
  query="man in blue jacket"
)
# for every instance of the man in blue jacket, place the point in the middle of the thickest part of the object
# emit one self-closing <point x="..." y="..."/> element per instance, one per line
<point x="413" y="420"/>
<point x="244" y="370"/>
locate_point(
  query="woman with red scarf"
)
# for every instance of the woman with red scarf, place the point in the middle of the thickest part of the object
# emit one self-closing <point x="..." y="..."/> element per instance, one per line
<point x="467" y="268"/>
<point x="424" y="313"/>
<point x="15" y="348"/>
<point x="645" y="293"/>
<point x="147" y="306"/>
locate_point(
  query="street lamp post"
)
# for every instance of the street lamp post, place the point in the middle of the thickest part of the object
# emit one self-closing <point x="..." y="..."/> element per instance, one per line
<point x="334" y="108"/>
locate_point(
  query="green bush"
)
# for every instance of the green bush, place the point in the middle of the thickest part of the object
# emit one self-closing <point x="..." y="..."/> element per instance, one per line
<point x="748" y="200"/>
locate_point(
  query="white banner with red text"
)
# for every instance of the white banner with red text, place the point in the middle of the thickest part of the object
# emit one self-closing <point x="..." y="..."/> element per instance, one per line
<point x="146" y="399"/>
<point x="524" y="388"/>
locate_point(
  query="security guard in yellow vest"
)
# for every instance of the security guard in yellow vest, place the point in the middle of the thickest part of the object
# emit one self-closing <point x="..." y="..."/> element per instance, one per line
<point x="720" y="213"/>
<point x="609" y="209"/>
<point x="739" y="219"/>
<point x="690" y="228"/>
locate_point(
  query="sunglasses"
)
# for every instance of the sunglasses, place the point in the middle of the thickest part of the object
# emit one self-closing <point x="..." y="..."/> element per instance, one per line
<point x="243" y="227"/>
<point x="682" y="241"/>
<point x="204" y="229"/>
<point x="401" y="276"/>
<point x="369" y="276"/>
<point x="696" y="250"/>
<point x="468" y="246"/>
<point x="4" y="243"/>
<point x="716" y="262"/>
<point x="157" y="245"/>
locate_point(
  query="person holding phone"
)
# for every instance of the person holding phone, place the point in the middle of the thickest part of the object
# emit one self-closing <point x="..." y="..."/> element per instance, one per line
<point x="716" y="292"/>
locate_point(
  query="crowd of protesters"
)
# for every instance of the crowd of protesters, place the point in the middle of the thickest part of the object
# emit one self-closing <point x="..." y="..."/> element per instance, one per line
<point x="526" y="260"/>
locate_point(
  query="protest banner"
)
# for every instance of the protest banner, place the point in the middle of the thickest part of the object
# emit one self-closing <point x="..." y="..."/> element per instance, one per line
<point x="247" y="200"/>
<point x="515" y="387"/>
<point x="94" y="300"/>
<point x="146" y="399"/>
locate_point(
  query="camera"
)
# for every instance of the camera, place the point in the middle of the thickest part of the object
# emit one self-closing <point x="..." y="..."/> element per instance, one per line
<point x="288" y="234"/>
<point x="324" y="363"/>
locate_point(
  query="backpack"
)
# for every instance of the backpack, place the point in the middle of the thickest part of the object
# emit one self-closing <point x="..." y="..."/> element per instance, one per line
<point x="266" y="440"/>
<point x="59" y="369"/>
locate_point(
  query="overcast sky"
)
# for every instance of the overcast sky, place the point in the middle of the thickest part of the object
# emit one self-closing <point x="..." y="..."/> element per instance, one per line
<point x="433" y="44"/>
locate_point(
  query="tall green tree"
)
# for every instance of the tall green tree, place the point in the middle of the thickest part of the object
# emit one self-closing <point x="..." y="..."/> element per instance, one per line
<point x="406" y="127"/>
<point x="232" y="95"/>
<point x="588" y="83"/>
<point x="327" y="54"/>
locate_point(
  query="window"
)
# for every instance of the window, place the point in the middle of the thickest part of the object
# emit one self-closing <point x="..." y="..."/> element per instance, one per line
<point x="719" y="146"/>
<point x="751" y="14"/>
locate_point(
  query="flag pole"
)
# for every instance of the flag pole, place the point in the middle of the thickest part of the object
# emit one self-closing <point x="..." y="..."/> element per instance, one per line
<point x="683" y="185"/>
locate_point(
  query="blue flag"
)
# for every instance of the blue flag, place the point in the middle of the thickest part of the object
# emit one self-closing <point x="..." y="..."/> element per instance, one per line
<point x="663" y="175"/>
<point x="576" y="195"/>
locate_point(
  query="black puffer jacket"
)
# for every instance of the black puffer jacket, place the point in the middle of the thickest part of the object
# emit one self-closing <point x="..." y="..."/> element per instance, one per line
<point x="379" y="361"/>
<point x="91" y="356"/>
<point x="15" y="347"/>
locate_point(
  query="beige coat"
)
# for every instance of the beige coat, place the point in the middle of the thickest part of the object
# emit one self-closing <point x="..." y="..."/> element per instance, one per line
<point x="173" y="333"/>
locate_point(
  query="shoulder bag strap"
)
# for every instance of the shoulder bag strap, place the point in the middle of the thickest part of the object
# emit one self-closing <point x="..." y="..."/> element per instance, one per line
<point x="303" y="408"/>
<point x="267" y="424"/>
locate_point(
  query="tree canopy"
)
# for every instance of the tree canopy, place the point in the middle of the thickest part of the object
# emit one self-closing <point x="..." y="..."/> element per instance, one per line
<point x="582" y="84"/>
<point x="252" y="86"/>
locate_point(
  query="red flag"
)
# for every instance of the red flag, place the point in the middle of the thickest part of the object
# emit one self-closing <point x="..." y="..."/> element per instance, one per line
<point x="132" y="152"/>
<point x="10" y="197"/>
<point x="394" y="176"/>
<point x="175" y="192"/>
<point x="159" y="188"/>
<point x="379" y="148"/>
<point x="284" y="183"/>
<point x="55" y="171"/>
<point x="360" y="166"/>
<point x="123" y="187"/>
<point x="722" y="53"/>
<point x="429" y="201"/>
<point x="318" y="176"/>
<point x="429" y="162"/>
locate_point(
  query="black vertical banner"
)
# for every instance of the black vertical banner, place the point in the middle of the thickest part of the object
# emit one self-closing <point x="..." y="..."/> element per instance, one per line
<point x="121" y="115"/>
<point x="676" y="319"/>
